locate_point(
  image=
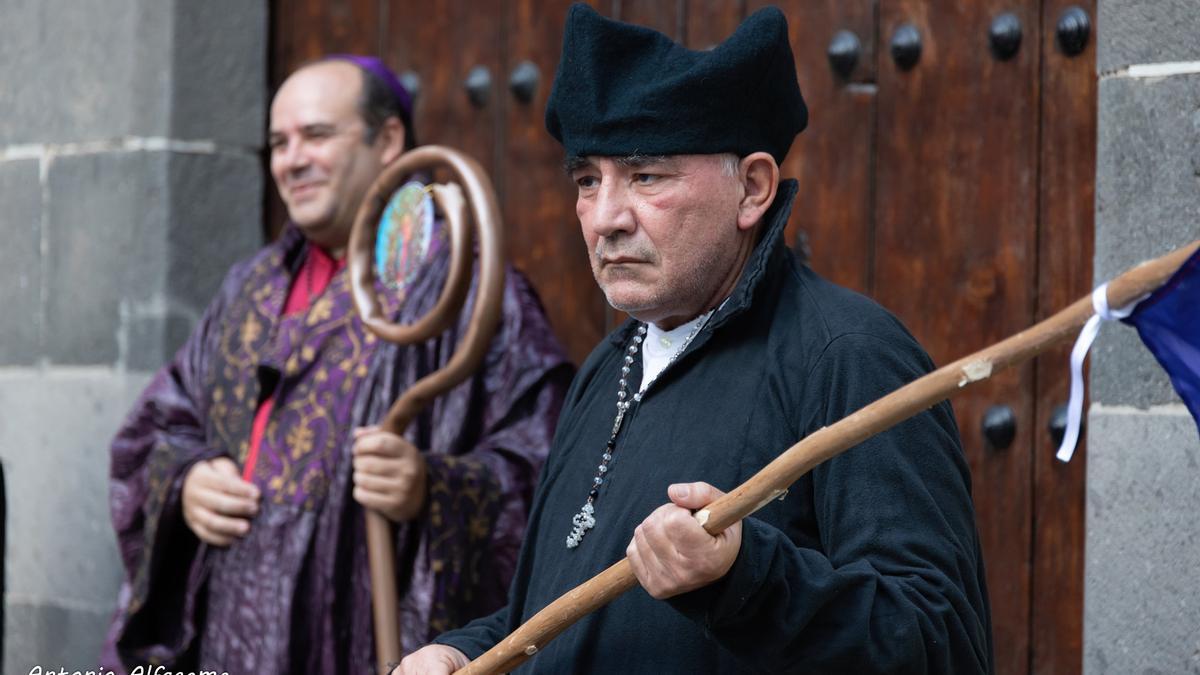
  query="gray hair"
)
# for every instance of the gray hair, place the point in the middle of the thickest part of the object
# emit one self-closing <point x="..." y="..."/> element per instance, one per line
<point x="729" y="164"/>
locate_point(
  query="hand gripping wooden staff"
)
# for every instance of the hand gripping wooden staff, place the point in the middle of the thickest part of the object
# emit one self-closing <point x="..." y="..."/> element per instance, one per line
<point x="471" y="350"/>
<point x="774" y="479"/>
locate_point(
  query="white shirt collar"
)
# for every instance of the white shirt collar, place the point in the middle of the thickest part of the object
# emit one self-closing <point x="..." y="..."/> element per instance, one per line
<point x="660" y="346"/>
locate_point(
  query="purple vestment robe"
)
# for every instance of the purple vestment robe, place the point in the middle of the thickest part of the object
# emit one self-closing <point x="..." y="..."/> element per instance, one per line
<point x="293" y="595"/>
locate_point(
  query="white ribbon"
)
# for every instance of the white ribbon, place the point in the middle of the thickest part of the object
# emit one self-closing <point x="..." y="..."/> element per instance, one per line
<point x="1082" y="344"/>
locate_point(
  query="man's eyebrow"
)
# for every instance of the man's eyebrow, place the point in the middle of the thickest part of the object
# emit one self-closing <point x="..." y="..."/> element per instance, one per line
<point x="635" y="161"/>
<point x="314" y="128"/>
<point x="573" y="163"/>
<point x="320" y="127"/>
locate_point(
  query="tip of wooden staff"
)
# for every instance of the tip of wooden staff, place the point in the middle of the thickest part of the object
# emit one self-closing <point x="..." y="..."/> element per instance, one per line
<point x="702" y="517"/>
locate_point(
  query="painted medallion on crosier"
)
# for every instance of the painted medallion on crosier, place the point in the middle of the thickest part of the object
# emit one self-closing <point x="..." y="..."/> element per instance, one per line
<point x="406" y="235"/>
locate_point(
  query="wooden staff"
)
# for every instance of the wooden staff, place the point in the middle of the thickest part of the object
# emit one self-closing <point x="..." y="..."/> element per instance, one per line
<point x="827" y="442"/>
<point x="471" y="350"/>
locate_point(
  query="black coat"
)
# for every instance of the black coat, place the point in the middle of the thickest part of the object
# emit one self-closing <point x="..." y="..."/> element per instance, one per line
<point x="871" y="563"/>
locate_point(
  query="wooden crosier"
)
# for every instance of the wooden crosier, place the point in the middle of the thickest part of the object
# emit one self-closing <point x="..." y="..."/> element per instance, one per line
<point x="450" y="198"/>
<point x="774" y="479"/>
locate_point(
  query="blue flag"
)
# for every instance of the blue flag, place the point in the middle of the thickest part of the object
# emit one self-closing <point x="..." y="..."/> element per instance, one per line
<point x="1169" y="323"/>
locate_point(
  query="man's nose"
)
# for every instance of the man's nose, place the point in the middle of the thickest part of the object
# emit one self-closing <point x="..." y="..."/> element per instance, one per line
<point x="614" y="210"/>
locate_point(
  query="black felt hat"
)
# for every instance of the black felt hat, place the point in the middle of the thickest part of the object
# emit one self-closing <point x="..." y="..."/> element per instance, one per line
<point x="622" y="89"/>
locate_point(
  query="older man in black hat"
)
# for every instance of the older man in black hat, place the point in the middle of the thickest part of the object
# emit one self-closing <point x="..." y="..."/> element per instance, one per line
<point x="735" y="350"/>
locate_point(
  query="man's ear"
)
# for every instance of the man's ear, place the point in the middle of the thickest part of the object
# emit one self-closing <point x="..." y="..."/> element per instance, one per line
<point x="760" y="180"/>
<point x="391" y="137"/>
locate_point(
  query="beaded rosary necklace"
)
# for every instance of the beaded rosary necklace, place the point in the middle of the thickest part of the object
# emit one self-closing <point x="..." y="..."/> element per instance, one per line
<point x="586" y="518"/>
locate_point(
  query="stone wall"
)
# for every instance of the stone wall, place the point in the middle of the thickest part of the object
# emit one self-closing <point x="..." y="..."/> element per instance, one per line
<point x="1142" y="594"/>
<point x="130" y="178"/>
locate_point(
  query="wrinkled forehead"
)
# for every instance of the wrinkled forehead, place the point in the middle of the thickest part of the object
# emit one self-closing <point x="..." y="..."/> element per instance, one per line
<point x="322" y="93"/>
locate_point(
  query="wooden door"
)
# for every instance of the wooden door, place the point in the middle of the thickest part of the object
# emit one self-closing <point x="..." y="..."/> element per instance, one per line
<point x="1066" y="190"/>
<point x="955" y="240"/>
<point x="956" y="191"/>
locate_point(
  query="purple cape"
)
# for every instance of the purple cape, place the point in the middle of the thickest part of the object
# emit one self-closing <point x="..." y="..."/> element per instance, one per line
<point x="293" y="595"/>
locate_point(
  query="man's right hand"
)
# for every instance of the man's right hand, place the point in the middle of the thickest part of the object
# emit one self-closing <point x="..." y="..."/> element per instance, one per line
<point x="432" y="660"/>
<point x="217" y="503"/>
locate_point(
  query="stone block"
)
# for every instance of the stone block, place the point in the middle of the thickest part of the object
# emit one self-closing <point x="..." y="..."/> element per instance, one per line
<point x="75" y="71"/>
<point x="20" y="262"/>
<point x="1147" y="203"/>
<point x="220" y="72"/>
<point x="139" y="243"/>
<point x="53" y="637"/>
<point x="88" y="71"/>
<point x="150" y="339"/>
<point x="1124" y="372"/>
<point x="1133" y="32"/>
<point x="1142" y="602"/>
<point x="106" y="221"/>
<point x="215" y="205"/>
<point x="216" y="209"/>
<point x="54" y="442"/>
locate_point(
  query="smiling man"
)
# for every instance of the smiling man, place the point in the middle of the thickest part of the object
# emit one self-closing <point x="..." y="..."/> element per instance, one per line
<point x="324" y="151"/>
<point x="239" y="479"/>
<point x="735" y="351"/>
